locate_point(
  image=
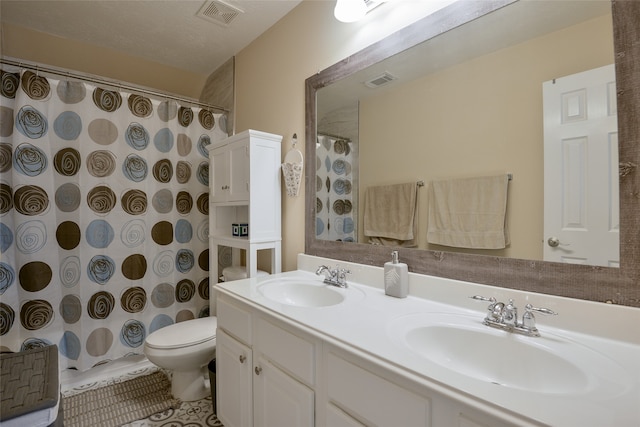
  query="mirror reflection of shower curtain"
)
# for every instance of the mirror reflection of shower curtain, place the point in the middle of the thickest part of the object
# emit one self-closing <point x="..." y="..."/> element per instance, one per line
<point x="336" y="191"/>
<point x="103" y="219"/>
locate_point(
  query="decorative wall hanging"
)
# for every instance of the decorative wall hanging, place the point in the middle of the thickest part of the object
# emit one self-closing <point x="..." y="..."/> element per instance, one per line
<point x="292" y="168"/>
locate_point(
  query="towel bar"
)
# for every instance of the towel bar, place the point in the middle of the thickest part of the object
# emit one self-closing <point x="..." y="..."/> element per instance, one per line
<point x="421" y="183"/>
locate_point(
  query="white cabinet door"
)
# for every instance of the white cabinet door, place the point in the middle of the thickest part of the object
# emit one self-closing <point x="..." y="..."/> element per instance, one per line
<point x="230" y="172"/>
<point x="238" y="171"/>
<point x="233" y="378"/>
<point x="219" y="165"/>
<point x="280" y="400"/>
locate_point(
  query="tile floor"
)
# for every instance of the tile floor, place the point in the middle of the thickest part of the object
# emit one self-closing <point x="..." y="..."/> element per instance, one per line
<point x="189" y="414"/>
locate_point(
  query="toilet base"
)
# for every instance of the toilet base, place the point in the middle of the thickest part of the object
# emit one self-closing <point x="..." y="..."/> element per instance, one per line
<point x="190" y="385"/>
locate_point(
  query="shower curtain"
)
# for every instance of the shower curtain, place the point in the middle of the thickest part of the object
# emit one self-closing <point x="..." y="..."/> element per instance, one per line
<point x="103" y="216"/>
<point x="336" y="197"/>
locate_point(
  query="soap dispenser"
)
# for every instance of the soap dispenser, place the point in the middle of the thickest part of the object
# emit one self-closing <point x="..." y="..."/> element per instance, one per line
<point x="396" y="277"/>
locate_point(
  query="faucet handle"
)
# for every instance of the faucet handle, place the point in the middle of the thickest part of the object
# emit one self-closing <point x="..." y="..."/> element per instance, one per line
<point x="491" y="309"/>
<point x="529" y="320"/>
<point x="322" y="269"/>
<point x="481" y="298"/>
<point x="342" y="276"/>
<point x="529" y="308"/>
<point x="491" y="300"/>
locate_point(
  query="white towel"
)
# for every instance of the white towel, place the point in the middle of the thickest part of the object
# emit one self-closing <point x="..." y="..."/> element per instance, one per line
<point x="469" y="212"/>
<point x="390" y="214"/>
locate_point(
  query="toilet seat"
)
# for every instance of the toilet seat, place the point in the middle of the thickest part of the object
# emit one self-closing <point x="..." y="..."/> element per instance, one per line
<point x="184" y="334"/>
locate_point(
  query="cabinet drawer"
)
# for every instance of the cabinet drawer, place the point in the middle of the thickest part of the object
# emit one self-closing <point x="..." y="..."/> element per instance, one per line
<point x="233" y="319"/>
<point x="372" y="399"/>
<point x="290" y="352"/>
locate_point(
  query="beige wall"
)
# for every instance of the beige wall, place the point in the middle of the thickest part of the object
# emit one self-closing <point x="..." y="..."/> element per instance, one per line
<point x="218" y="90"/>
<point x="270" y="76"/>
<point x="481" y="117"/>
<point x="42" y="48"/>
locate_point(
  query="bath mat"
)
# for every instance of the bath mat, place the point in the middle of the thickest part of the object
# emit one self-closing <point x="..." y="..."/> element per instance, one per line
<point x="120" y="403"/>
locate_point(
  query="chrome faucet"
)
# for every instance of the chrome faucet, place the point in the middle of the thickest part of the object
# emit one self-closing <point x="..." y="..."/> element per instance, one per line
<point x="335" y="277"/>
<point x="510" y="316"/>
<point x="505" y="317"/>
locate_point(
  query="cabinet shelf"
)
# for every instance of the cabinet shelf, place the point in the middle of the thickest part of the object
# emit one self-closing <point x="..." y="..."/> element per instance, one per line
<point x="229" y="240"/>
<point x="241" y="242"/>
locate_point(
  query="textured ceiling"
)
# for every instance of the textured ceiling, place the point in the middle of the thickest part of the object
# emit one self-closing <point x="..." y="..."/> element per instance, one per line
<point x="167" y="32"/>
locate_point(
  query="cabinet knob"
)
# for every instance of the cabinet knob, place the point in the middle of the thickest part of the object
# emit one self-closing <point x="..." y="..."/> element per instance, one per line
<point x="242" y="358"/>
<point x="257" y="370"/>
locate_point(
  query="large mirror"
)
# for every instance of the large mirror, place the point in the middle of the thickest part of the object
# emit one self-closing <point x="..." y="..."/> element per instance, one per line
<point x="470" y="103"/>
<point x="485" y="52"/>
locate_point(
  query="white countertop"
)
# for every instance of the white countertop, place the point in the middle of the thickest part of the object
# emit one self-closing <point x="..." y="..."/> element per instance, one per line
<point x="367" y="322"/>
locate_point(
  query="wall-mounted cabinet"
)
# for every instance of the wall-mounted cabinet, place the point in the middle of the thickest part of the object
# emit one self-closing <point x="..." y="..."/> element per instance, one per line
<point x="244" y="188"/>
<point x="229" y="167"/>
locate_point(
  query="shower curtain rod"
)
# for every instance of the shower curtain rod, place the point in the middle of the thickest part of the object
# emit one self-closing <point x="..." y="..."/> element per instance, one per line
<point x="334" y="136"/>
<point x="103" y="81"/>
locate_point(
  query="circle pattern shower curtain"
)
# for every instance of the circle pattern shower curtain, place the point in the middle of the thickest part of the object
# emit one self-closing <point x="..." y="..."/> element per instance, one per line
<point x="103" y="216"/>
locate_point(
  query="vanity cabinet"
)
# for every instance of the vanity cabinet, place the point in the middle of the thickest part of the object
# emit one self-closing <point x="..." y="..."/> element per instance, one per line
<point x="244" y="189"/>
<point x="266" y="371"/>
<point x="274" y="372"/>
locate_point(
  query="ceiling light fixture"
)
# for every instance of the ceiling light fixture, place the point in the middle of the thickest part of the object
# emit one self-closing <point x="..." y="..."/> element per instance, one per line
<point x="350" y="10"/>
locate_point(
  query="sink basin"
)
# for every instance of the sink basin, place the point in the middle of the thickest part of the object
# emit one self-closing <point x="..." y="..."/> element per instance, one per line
<point x="548" y="364"/>
<point x="500" y="360"/>
<point x="302" y="292"/>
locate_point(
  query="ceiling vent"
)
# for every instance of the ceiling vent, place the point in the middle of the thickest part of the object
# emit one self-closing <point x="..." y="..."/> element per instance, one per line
<point x="219" y="12"/>
<point x="381" y="80"/>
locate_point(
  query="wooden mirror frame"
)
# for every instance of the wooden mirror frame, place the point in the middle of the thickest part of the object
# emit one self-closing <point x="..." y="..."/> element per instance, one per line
<point x="617" y="285"/>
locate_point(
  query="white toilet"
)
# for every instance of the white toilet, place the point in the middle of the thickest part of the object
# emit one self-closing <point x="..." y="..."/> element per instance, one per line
<point x="185" y="348"/>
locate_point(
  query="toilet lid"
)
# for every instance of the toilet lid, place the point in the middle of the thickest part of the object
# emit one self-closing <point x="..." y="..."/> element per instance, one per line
<point x="184" y="334"/>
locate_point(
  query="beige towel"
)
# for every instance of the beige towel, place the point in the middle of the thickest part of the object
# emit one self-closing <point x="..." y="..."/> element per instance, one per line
<point x="469" y="213"/>
<point x="390" y="214"/>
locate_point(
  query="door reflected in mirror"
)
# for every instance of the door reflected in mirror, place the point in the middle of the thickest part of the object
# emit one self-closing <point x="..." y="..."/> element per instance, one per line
<point x="470" y="103"/>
